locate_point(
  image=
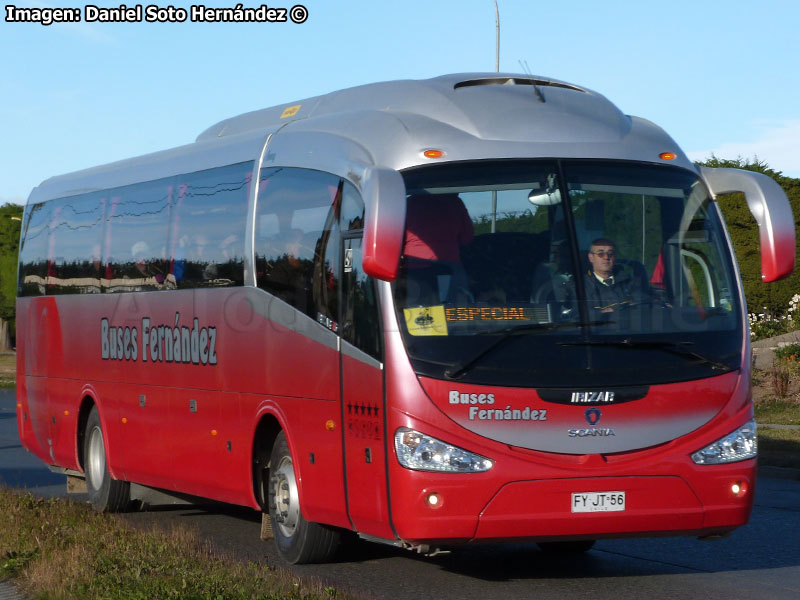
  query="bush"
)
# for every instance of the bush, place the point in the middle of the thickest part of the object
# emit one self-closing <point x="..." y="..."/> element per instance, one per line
<point x="766" y="324"/>
<point x="788" y="353"/>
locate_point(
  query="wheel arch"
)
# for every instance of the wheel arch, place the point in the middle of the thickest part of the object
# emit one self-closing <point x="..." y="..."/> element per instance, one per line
<point x="88" y="402"/>
<point x="267" y="429"/>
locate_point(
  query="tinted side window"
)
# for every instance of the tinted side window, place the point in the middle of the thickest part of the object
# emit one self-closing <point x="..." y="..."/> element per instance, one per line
<point x="33" y="250"/>
<point x="61" y="247"/>
<point x="74" y="250"/>
<point x="360" y="320"/>
<point x="206" y="240"/>
<point x="177" y="232"/>
<point x="137" y="223"/>
<point x="352" y="214"/>
<point x="297" y="240"/>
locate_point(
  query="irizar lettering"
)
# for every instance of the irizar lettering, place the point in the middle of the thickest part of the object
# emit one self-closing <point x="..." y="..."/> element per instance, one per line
<point x="592" y="397"/>
<point x="166" y="343"/>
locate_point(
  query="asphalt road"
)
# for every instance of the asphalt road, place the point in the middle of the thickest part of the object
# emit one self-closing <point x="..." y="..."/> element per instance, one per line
<point x="761" y="560"/>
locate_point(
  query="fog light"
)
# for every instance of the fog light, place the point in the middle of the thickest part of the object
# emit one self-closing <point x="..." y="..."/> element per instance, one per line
<point x="739" y="489"/>
<point x="434" y="501"/>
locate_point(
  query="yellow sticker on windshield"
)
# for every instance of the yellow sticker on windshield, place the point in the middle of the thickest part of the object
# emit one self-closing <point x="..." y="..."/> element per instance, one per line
<point x="428" y="320"/>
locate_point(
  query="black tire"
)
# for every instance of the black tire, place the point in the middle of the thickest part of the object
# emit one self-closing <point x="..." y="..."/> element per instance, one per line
<point x="105" y="494"/>
<point x="566" y="547"/>
<point x="297" y="540"/>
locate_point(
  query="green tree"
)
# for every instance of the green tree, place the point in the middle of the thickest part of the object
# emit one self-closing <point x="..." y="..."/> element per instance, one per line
<point x="744" y="234"/>
<point x="10" y="222"/>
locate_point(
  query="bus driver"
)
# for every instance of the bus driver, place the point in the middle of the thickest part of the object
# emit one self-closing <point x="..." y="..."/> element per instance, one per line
<point x="608" y="289"/>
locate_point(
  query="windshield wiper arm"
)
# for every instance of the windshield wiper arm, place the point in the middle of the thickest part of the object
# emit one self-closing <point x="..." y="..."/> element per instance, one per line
<point x="458" y="369"/>
<point x="676" y="348"/>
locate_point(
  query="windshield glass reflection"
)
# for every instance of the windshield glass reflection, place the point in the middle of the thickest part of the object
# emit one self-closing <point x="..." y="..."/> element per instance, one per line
<point x="606" y="250"/>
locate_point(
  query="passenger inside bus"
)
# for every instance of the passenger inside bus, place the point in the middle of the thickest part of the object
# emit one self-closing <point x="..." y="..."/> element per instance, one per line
<point x="437" y="227"/>
<point x="147" y="266"/>
<point x="222" y="257"/>
<point x="552" y="279"/>
<point x="284" y="270"/>
<point x="179" y="259"/>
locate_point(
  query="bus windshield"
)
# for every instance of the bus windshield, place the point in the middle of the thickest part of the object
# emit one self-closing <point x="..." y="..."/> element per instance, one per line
<point x="565" y="273"/>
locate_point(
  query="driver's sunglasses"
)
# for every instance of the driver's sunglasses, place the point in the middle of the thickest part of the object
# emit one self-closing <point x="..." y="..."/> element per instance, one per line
<point x="604" y="254"/>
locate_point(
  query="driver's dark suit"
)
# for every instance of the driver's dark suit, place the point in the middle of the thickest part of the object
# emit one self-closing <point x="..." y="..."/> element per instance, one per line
<point x="619" y="292"/>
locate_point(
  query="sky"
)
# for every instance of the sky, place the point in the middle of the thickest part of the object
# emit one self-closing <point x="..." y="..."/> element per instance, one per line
<point x="720" y="76"/>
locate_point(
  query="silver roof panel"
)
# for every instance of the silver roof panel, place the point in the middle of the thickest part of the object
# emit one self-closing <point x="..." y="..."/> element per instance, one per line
<point x="470" y="116"/>
<point x="183" y="159"/>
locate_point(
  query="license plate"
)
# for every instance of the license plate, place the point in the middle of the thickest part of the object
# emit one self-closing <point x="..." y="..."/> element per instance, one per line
<point x="583" y="502"/>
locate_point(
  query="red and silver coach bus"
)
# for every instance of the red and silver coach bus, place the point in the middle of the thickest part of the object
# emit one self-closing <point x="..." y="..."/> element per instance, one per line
<point x="374" y="311"/>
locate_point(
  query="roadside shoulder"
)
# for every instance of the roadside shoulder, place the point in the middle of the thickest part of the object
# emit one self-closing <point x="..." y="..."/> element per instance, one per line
<point x="779" y="472"/>
<point x="9" y="592"/>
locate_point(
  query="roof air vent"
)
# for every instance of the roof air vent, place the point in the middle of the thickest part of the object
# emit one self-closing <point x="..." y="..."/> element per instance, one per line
<point x="516" y="81"/>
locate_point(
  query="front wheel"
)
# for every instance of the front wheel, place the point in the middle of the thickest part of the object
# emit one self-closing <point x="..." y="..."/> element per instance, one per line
<point x="297" y="540"/>
<point x="105" y="493"/>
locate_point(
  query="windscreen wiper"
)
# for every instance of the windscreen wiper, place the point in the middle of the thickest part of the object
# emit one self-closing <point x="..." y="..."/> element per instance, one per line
<point x="676" y="348"/>
<point x="458" y="369"/>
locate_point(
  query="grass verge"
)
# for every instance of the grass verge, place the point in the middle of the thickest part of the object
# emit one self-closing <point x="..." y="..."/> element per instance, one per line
<point x="8" y="369"/>
<point x="777" y="412"/>
<point x="59" y="550"/>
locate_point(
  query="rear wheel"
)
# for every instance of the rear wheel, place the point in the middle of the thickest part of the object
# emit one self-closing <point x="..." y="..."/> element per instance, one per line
<point x="575" y="547"/>
<point x="105" y="493"/>
<point x="297" y="540"/>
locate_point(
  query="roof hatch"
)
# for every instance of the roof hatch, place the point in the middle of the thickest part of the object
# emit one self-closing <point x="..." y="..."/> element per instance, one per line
<point x="516" y="81"/>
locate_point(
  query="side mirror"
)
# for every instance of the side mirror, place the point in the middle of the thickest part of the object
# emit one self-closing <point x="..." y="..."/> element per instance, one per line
<point x="771" y="210"/>
<point x="384" y="195"/>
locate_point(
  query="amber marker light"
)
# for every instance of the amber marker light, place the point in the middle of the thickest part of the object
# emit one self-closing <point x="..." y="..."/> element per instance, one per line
<point x="667" y="156"/>
<point x="213" y="432"/>
<point x="124" y="420"/>
<point x="330" y="425"/>
<point x="66" y="413"/>
<point x="433" y="153"/>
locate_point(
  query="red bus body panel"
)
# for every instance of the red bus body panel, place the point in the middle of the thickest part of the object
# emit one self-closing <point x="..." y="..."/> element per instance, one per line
<point x="190" y="427"/>
<point x="526" y="495"/>
<point x="179" y="425"/>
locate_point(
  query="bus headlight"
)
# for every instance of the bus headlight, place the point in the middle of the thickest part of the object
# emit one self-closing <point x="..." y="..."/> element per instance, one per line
<point x="421" y="452"/>
<point x="742" y="444"/>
